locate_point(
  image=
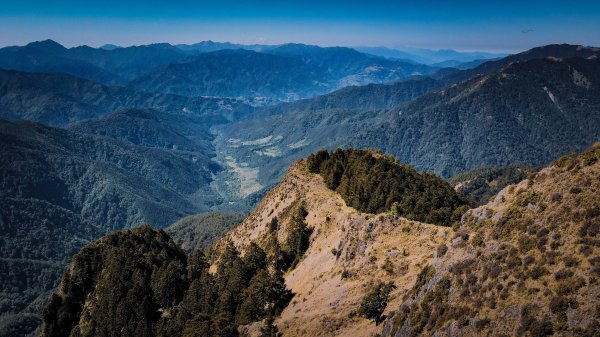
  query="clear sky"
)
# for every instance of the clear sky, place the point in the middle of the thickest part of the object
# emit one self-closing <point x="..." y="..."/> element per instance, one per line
<point x="464" y="25"/>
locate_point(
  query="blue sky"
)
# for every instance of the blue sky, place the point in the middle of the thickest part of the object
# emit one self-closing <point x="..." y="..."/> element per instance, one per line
<point x="464" y="25"/>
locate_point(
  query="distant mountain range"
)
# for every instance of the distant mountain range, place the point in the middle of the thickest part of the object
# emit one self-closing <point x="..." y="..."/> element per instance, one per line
<point x="428" y="56"/>
<point x="285" y="72"/>
<point x="525" y="112"/>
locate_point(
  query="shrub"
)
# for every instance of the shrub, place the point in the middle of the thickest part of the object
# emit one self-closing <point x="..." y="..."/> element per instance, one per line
<point x="585" y="250"/>
<point x="441" y="250"/>
<point x="556" y="197"/>
<point x="570" y="261"/>
<point x="375" y="302"/>
<point x="526" y="243"/>
<point x="388" y="267"/>
<point x="269" y="329"/>
<point x="563" y="274"/>
<point x="589" y="228"/>
<point x="477" y="240"/>
<point x="424" y="276"/>
<point x="528" y="259"/>
<point x="537" y="272"/>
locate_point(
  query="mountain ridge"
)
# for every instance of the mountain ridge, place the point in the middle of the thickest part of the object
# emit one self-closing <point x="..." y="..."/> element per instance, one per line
<point x="444" y="281"/>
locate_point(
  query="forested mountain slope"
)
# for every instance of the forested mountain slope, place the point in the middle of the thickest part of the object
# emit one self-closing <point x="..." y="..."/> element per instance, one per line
<point x="528" y="112"/>
<point x="59" y="100"/>
<point x="291" y="234"/>
<point x="61" y="189"/>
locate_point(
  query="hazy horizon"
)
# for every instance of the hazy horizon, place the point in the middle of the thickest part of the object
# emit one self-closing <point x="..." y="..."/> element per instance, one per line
<point x="466" y="26"/>
<point x="399" y="48"/>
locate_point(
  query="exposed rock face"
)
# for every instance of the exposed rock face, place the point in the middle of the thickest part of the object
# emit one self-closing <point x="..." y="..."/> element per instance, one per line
<point x="527" y="263"/>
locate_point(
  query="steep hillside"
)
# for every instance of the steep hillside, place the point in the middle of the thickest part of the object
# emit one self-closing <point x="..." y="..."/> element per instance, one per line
<point x="139" y="283"/>
<point x="561" y="51"/>
<point x="526" y="264"/>
<point x="327" y="252"/>
<point x="373" y="183"/>
<point x="529" y="112"/>
<point x="232" y="73"/>
<point x="347" y="255"/>
<point x="57" y="195"/>
<point x="368" y="97"/>
<point x="152" y="128"/>
<point x="59" y="100"/>
<point x="127" y="272"/>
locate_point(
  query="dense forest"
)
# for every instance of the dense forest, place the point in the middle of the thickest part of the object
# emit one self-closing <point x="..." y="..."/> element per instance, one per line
<point x="143" y="284"/>
<point x="374" y="183"/>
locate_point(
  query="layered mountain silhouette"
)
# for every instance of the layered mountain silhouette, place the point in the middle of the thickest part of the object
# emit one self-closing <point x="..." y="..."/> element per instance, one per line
<point x="285" y="72"/>
<point x="525" y="112"/>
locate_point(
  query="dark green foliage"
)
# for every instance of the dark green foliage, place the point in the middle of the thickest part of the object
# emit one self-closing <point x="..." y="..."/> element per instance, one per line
<point x="532" y="324"/>
<point x="375" y="301"/>
<point x="270" y="329"/>
<point x="424" y="276"/>
<point x="59" y="190"/>
<point x="373" y="183"/>
<point x="477" y="240"/>
<point x="479" y="185"/>
<point x="441" y="250"/>
<point x="298" y="237"/>
<point x="133" y="273"/>
<point x="142" y="284"/>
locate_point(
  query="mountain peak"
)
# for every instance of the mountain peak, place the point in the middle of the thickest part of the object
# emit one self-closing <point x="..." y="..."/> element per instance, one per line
<point x="47" y="44"/>
<point x="109" y="46"/>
